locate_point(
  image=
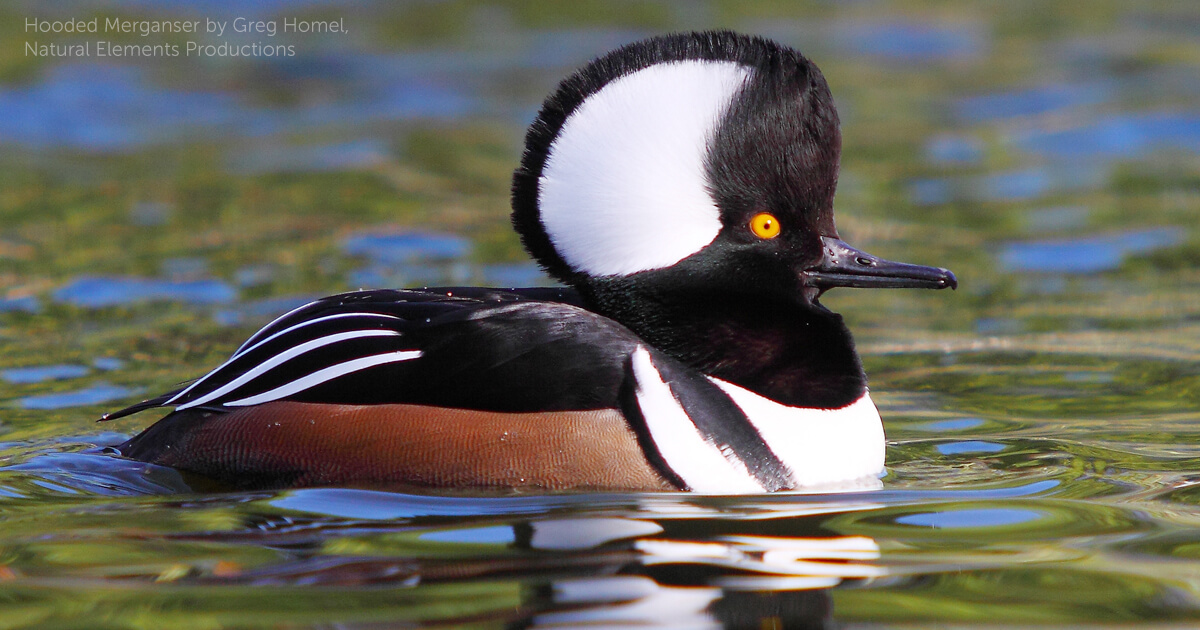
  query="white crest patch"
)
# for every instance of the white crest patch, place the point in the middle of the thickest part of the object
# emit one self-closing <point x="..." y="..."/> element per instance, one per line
<point x="624" y="186"/>
<point x="699" y="463"/>
<point x="823" y="447"/>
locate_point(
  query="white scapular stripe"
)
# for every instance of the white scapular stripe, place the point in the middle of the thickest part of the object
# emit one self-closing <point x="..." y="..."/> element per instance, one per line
<point x="624" y="187"/>
<point x="699" y="463"/>
<point x="327" y="374"/>
<point x="284" y="356"/>
<point x="244" y="349"/>
<point x="823" y="447"/>
<point x="308" y="323"/>
<point x="246" y="344"/>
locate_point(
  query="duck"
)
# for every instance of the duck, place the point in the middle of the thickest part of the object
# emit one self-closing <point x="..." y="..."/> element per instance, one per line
<point x="680" y="188"/>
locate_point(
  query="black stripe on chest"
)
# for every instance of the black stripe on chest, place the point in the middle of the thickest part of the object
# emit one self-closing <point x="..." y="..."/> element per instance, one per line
<point x="717" y="418"/>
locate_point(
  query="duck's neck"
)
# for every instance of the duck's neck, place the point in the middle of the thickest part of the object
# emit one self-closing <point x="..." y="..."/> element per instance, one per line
<point x="796" y="355"/>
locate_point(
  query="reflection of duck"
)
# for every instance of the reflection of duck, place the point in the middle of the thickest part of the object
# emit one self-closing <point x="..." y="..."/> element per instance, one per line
<point x="683" y="566"/>
<point x="683" y="186"/>
<point x="730" y="581"/>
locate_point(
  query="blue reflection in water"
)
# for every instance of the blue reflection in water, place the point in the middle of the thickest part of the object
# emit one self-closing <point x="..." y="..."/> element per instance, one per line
<point x="956" y="519"/>
<point x="100" y="107"/>
<point x="255" y="275"/>
<point x="261" y="310"/>
<point x="1039" y="100"/>
<point x="150" y="213"/>
<point x="93" y="395"/>
<point x="112" y="108"/>
<point x="951" y="149"/>
<point x="568" y="48"/>
<point x="107" y="364"/>
<point x="185" y="268"/>
<point x="89" y="472"/>
<point x="1057" y="219"/>
<point x="1017" y="185"/>
<point x="514" y="275"/>
<point x="328" y="157"/>
<point x="101" y="291"/>
<point x="911" y="41"/>
<point x="409" y="259"/>
<point x="40" y="373"/>
<point x="1009" y="186"/>
<point x="25" y="304"/>
<point x="957" y="424"/>
<point x="417" y="98"/>
<point x="969" y="446"/>
<point x="409" y="275"/>
<point x="1089" y="377"/>
<point x="495" y="535"/>
<point x="379" y="505"/>
<point x="1117" y="136"/>
<point x="108" y="108"/>
<point x="1089" y="254"/>
<point x="407" y="247"/>
<point x="1013" y="185"/>
<point x="1000" y="325"/>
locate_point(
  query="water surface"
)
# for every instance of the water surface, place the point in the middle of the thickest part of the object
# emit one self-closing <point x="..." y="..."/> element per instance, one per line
<point x="1043" y="420"/>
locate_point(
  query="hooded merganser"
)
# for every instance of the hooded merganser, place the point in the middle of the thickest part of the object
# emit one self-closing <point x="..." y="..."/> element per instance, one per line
<point x="682" y="187"/>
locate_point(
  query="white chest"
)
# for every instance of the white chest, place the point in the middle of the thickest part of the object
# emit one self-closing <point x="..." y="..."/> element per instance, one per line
<point x="818" y="449"/>
<point x="823" y="447"/>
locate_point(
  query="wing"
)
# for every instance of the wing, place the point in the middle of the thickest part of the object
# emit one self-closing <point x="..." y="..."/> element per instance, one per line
<point x="496" y="350"/>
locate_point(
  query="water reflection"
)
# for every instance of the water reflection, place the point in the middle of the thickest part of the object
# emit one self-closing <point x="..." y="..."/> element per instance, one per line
<point x="329" y="157"/>
<point x="969" y="446"/>
<point x="960" y="424"/>
<point x="1123" y="136"/>
<point x="1008" y="186"/>
<point x="261" y="310"/>
<point x="646" y="568"/>
<point x="567" y="560"/>
<point x="970" y="518"/>
<point x="102" y="291"/>
<point x="98" y="107"/>
<point x="948" y="149"/>
<point x="94" y="394"/>
<point x="403" y="259"/>
<point x="24" y="304"/>
<point x="1087" y="254"/>
<point x="911" y="41"/>
<point x="407" y="247"/>
<point x="1032" y="101"/>
<point x="40" y="373"/>
<point x="899" y="41"/>
<point x="115" y="108"/>
<point x="1057" y="219"/>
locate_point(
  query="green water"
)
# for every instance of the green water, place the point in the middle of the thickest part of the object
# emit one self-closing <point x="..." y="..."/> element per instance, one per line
<point x="1043" y="420"/>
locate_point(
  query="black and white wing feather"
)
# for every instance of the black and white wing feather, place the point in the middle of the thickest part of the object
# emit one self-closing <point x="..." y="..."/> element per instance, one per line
<point x="474" y="348"/>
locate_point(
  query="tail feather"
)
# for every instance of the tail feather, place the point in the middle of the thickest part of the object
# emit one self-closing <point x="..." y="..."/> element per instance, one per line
<point x="157" y="401"/>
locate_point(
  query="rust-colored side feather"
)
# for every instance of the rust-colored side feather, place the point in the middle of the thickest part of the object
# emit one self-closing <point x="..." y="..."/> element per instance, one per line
<point x="306" y="444"/>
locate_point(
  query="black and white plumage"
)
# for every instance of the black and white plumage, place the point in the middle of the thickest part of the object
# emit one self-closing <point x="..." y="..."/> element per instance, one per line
<point x="683" y="187"/>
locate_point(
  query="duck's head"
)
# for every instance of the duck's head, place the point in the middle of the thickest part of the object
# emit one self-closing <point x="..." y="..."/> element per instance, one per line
<point x="704" y="160"/>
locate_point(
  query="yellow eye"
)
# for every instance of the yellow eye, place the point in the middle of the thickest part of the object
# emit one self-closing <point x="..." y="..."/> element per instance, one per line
<point x="764" y="225"/>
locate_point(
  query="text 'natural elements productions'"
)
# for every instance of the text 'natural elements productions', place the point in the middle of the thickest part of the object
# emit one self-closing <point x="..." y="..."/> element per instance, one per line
<point x="209" y="35"/>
